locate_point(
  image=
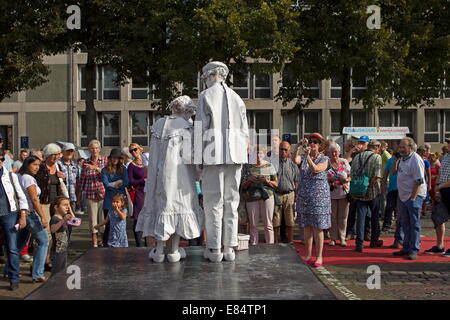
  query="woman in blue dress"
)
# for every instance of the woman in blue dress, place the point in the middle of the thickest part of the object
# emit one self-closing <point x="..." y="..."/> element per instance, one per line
<point x="115" y="179"/>
<point x="313" y="195"/>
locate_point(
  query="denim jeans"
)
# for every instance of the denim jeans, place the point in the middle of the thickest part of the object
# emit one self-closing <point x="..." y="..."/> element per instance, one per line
<point x="15" y="240"/>
<point x="363" y="209"/>
<point x="391" y="207"/>
<point x="410" y="217"/>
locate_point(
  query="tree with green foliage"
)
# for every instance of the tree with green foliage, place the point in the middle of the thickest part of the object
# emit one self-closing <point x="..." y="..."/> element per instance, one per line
<point x="28" y="29"/>
<point x="396" y="62"/>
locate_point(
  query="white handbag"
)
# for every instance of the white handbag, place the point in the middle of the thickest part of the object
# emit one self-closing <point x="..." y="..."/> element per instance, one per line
<point x="130" y="204"/>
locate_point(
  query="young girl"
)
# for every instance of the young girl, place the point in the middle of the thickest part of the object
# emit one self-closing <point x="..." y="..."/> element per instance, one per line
<point x="117" y="219"/>
<point x="58" y="227"/>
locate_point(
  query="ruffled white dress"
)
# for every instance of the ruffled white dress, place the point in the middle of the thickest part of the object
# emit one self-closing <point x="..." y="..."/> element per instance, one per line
<point x="171" y="202"/>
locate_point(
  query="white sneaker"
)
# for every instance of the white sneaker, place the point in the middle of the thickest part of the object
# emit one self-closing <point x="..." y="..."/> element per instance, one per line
<point x="26" y="258"/>
<point x="174" y="257"/>
<point x="211" y="256"/>
<point x="153" y="255"/>
<point x="229" y="256"/>
<point x="182" y="252"/>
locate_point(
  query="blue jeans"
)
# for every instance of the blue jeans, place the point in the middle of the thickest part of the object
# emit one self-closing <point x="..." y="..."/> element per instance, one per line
<point x="410" y="217"/>
<point x="15" y="241"/>
<point x="363" y="209"/>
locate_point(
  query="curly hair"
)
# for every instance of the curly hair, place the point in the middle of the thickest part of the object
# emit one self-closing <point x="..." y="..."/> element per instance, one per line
<point x="181" y="105"/>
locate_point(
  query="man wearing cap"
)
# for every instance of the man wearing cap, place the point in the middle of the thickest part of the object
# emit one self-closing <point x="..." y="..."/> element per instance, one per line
<point x="368" y="204"/>
<point x="221" y="120"/>
<point x="70" y="170"/>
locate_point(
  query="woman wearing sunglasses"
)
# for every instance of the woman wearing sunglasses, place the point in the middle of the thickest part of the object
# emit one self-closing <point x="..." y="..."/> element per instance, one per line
<point x="313" y="197"/>
<point x="137" y="176"/>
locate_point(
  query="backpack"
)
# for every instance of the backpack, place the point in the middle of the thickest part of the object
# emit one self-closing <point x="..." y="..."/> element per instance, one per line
<point x="359" y="185"/>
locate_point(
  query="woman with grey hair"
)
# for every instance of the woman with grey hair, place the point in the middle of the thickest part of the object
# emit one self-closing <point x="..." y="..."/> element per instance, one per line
<point x="171" y="207"/>
<point x="338" y="178"/>
<point x="49" y="180"/>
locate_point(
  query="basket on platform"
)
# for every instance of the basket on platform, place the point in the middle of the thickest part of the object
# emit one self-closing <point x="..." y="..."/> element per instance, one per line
<point x="243" y="240"/>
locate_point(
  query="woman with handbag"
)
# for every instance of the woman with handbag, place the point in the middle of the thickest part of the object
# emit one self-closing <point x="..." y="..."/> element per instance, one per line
<point x="137" y="176"/>
<point x="258" y="182"/>
<point x="338" y="178"/>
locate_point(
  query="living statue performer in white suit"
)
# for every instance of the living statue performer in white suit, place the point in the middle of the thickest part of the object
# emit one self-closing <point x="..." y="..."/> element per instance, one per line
<point x="171" y="202"/>
<point x="221" y="113"/>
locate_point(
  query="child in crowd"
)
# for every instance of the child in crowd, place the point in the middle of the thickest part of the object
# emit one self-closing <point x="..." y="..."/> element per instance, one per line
<point x="117" y="218"/>
<point x="59" y="230"/>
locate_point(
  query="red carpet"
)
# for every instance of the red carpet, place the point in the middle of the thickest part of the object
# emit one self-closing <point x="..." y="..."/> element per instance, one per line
<point x="347" y="255"/>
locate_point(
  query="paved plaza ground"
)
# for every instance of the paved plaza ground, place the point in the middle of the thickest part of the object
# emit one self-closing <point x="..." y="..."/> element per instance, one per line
<point x="399" y="281"/>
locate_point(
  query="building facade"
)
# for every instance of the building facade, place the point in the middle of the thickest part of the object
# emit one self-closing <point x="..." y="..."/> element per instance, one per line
<point x="55" y="110"/>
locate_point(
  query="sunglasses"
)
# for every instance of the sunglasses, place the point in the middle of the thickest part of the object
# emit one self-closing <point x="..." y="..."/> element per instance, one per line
<point x="314" y="141"/>
<point x="134" y="150"/>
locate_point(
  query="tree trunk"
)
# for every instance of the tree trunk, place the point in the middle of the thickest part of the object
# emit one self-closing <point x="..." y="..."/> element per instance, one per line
<point x="345" y="98"/>
<point x="91" y="114"/>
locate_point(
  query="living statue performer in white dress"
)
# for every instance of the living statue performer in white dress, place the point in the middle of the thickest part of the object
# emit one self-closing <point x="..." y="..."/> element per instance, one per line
<point x="171" y="202"/>
<point x="221" y="113"/>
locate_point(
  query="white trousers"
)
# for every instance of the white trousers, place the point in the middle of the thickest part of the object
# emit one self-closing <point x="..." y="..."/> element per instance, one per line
<point x="220" y="186"/>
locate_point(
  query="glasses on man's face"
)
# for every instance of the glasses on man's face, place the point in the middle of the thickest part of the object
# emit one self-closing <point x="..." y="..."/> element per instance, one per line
<point x="314" y="141"/>
<point x="134" y="150"/>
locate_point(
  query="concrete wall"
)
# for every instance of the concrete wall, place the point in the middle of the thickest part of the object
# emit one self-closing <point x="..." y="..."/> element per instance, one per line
<point x="46" y="127"/>
<point x="56" y="89"/>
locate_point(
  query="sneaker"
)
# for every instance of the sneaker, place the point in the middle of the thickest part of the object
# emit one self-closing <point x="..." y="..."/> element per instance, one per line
<point x="153" y="255"/>
<point x="343" y="244"/>
<point x="26" y="258"/>
<point x="447" y="253"/>
<point x="435" y="249"/>
<point x="376" y="244"/>
<point x="332" y="243"/>
<point x="173" y="257"/>
<point x="359" y="249"/>
<point x="399" y="253"/>
<point x="412" y="256"/>
<point x="213" y="256"/>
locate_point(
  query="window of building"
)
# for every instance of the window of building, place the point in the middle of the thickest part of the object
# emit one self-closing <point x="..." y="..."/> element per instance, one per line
<point x="241" y="83"/>
<point x="304" y="122"/>
<point x="397" y="118"/>
<point x="336" y="88"/>
<point x="111" y="91"/>
<point x="262" y="86"/>
<point x="358" y="85"/>
<point x="359" y="118"/>
<point x="290" y="126"/>
<point x="432" y="125"/>
<point x="335" y="118"/>
<point x="140" y="126"/>
<point x="139" y="89"/>
<point x="83" y="129"/>
<point x="288" y="81"/>
<point x="110" y="129"/>
<point x="82" y="82"/>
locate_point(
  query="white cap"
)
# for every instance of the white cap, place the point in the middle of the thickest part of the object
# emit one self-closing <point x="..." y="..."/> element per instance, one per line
<point x="213" y="65"/>
<point x="69" y="146"/>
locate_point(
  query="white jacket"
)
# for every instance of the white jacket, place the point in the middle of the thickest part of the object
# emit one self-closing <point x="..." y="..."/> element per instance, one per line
<point x="9" y="190"/>
<point x="210" y="111"/>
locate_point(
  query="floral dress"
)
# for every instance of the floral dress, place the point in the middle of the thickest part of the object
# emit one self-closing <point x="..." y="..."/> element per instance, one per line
<point x="118" y="230"/>
<point x="313" y="197"/>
